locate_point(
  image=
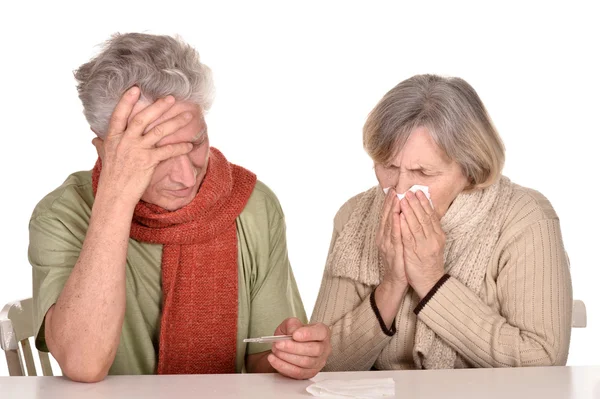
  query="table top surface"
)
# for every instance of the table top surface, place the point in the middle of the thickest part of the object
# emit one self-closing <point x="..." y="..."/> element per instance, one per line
<point x="543" y="382"/>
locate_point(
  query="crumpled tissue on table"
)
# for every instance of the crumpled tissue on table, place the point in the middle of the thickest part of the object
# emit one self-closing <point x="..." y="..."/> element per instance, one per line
<point x="366" y="388"/>
<point x="414" y="189"/>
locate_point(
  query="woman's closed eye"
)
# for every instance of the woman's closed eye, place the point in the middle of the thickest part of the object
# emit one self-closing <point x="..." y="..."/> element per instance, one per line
<point x="422" y="172"/>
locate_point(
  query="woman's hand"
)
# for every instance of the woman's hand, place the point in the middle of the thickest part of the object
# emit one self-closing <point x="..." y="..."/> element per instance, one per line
<point x="423" y="242"/>
<point x="389" y="242"/>
<point x="391" y="290"/>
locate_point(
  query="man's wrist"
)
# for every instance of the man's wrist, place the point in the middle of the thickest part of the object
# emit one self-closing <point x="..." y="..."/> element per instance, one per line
<point x="112" y="211"/>
<point x="114" y="200"/>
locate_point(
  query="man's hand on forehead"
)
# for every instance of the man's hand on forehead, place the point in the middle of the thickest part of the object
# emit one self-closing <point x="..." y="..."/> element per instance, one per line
<point x="130" y="153"/>
<point x="178" y="108"/>
<point x="142" y="105"/>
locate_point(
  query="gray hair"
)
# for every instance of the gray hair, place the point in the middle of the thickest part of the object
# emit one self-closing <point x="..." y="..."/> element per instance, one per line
<point x="158" y="65"/>
<point x="454" y="115"/>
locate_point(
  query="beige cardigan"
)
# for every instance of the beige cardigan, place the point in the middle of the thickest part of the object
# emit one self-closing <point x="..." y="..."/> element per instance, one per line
<point x="524" y="319"/>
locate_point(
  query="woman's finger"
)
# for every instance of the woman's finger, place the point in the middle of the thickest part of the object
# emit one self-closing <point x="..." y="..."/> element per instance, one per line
<point x="420" y="213"/>
<point x="431" y="213"/>
<point x="408" y="240"/>
<point x="384" y="214"/>
<point x="388" y="228"/>
<point x="396" y="234"/>
<point x="411" y="218"/>
<point x="425" y="203"/>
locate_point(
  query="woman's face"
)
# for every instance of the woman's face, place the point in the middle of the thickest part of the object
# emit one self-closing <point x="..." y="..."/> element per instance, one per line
<point x="422" y="162"/>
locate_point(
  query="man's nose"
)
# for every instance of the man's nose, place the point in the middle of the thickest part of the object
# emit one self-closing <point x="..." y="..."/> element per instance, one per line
<point x="183" y="171"/>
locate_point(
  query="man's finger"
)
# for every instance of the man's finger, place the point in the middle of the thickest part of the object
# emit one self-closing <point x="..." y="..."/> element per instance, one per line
<point x="313" y="349"/>
<point x="305" y="362"/>
<point x="120" y="115"/>
<point x="137" y="126"/>
<point x="164" y="129"/>
<point x="288" y="326"/>
<point x="311" y="332"/>
<point x="170" y="151"/>
<point x="290" y="370"/>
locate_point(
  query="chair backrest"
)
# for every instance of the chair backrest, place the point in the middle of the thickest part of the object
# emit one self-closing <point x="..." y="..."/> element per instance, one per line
<point x="579" y="318"/>
<point x="16" y="326"/>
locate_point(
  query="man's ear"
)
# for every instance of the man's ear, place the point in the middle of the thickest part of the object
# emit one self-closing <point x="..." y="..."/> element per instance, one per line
<point x="99" y="144"/>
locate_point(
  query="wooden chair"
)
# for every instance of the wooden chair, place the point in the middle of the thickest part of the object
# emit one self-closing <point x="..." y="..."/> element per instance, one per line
<point x="579" y="317"/>
<point x="16" y="326"/>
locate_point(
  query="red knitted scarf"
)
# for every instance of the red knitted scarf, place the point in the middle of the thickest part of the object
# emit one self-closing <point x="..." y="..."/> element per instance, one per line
<point x="198" y="329"/>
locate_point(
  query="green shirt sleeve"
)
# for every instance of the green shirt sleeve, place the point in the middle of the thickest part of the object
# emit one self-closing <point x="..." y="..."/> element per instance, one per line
<point x="274" y="297"/>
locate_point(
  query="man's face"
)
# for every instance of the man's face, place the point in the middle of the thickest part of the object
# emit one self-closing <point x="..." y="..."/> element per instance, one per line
<point x="176" y="181"/>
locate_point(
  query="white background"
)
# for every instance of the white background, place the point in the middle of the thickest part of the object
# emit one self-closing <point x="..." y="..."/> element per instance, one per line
<point x="295" y="81"/>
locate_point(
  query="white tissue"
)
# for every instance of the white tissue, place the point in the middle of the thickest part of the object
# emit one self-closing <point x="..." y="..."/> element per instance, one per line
<point x="414" y="189"/>
<point x="367" y="388"/>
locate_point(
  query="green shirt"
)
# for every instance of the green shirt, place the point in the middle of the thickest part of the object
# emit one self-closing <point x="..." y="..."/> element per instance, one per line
<point x="267" y="288"/>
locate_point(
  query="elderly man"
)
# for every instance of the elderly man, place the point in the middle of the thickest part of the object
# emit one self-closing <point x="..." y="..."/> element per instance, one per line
<point x="165" y="257"/>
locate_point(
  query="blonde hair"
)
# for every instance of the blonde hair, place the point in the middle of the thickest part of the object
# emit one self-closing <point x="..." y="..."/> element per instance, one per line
<point x="454" y="115"/>
<point x="158" y="65"/>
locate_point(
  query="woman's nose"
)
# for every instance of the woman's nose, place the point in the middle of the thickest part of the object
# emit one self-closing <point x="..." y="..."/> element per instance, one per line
<point x="403" y="183"/>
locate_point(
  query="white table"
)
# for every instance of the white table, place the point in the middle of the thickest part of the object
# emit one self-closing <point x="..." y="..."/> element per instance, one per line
<point x="530" y="383"/>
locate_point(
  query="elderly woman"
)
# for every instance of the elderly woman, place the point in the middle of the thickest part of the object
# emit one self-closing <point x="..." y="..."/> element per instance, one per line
<point x="478" y="277"/>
